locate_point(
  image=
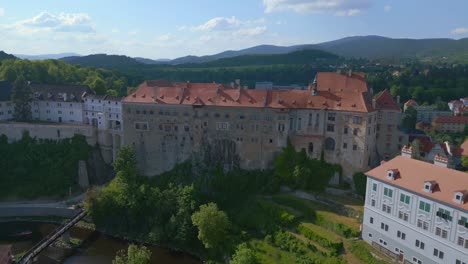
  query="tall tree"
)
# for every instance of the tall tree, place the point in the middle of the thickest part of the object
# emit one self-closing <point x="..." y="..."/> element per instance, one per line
<point x="134" y="255"/>
<point x="22" y="97"/>
<point x="212" y="225"/>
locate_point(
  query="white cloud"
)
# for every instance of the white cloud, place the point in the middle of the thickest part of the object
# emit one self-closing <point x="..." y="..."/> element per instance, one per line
<point x="63" y="22"/>
<point x="336" y="7"/>
<point x="164" y="37"/>
<point x="218" y="23"/>
<point x="115" y="30"/>
<point x="246" y="32"/>
<point x="460" y="30"/>
<point x="387" y="8"/>
<point x="133" y="32"/>
<point x="2" y="12"/>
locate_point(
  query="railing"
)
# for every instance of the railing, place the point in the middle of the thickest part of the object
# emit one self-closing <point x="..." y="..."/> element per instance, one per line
<point x="385" y="251"/>
<point x="45" y="242"/>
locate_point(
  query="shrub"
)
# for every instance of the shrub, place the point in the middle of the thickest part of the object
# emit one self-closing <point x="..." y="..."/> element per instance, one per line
<point x="321" y="236"/>
<point x="361" y="251"/>
<point x="360" y="181"/>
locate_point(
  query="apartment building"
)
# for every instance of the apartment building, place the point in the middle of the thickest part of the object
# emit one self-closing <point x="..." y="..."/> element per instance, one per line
<point x="417" y="212"/>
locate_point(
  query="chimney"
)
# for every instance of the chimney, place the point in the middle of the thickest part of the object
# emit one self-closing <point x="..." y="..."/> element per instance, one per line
<point x="237" y="82"/>
<point x="407" y="151"/>
<point x="371" y="90"/>
<point x="398" y="99"/>
<point x="441" y="161"/>
<point x="314" y="86"/>
<point x="350" y="73"/>
<point x="246" y="87"/>
<point x="374" y="103"/>
<point x="232" y="85"/>
<point x="64" y="97"/>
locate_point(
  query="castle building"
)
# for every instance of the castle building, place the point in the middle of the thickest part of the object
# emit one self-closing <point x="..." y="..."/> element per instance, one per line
<point x="168" y="123"/>
<point x="416" y="212"/>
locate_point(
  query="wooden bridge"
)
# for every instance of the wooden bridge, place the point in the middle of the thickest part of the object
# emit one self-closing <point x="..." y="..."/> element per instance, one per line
<point x="30" y="256"/>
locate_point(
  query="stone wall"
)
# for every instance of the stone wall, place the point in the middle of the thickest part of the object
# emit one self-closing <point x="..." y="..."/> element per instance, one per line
<point x="55" y="131"/>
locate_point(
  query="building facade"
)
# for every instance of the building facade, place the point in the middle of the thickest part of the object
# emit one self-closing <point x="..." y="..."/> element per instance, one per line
<point x="6" y="105"/>
<point x="168" y="123"/>
<point x="450" y="124"/>
<point x="417" y="212"/>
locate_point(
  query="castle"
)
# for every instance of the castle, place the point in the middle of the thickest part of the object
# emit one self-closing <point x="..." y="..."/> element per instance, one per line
<point x="171" y="122"/>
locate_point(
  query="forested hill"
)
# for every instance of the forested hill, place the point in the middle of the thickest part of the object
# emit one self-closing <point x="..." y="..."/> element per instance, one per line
<point x="6" y="56"/>
<point x="298" y="57"/>
<point x="376" y="47"/>
<point x="114" y="62"/>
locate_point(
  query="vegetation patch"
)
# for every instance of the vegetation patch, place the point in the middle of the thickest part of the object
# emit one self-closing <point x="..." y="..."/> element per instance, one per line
<point x="322" y="236"/>
<point x="362" y="251"/>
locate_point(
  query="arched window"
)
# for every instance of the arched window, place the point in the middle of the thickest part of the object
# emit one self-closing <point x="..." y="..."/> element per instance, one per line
<point x="329" y="144"/>
<point x="311" y="148"/>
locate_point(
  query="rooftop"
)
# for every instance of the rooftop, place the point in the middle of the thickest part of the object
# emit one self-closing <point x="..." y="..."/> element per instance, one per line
<point x="411" y="102"/>
<point x="336" y="91"/>
<point x="414" y="173"/>
<point x="451" y="119"/>
<point x="384" y="100"/>
<point x="56" y="92"/>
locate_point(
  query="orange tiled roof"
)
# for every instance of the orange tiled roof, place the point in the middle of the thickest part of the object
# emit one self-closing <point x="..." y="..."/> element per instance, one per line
<point x="411" y="102"/>
<point x="384" y="100"/>
<point x="335" y="91"/>
<point x="464" y="148"/>
<point x="455" y="102"/>
<point x="413" y="174"/>
<point x="451" y="119"/>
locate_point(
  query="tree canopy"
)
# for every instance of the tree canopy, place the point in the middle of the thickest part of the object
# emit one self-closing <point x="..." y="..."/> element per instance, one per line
<point x="212" y="225"/>
<point x="134" y="255"/>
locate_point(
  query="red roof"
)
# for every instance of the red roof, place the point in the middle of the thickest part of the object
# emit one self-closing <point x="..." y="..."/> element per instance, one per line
<point x="384" y="100"/>
<point x="335" y="91"/>
<point x="464" y="148"/>
<point x="455" y="102"/>
<point x="411" y="102"/>
<point x="414" y="173"/>
<point x="425" y="143"/>
<point x="451" y="119"/>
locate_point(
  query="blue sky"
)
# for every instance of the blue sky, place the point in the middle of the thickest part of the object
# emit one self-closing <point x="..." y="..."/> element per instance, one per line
<point x="169" y="29"/>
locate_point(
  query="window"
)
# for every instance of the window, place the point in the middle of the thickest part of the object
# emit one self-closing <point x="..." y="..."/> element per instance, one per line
<point x="404" y="198"/>
<point x="345" y="130"/>
<point x="373" y="202"/>
<point x="331" y="116"/>
<point x="402" y="215"/>
<point x="384" y="226"/>
<point x="438" y="253"/>
<point x="330" y="127"/>
<point x="444" y="214"/>
<point x="345" y="145"/>
<point x="424" y="206"/>
<point x="419" y="244"/>
<point x="417" y="261"/>
<point x="401" y="235"/>
<point x="311" y="147"/>
<point x="388" y="192"/>
<point x="374" y="187"/>
<point x="459" y="262"/>
<point x="354" y="147"/>
<point x="357" y="120"/>
<point x="387" y="208"/>
<point x="371" y="220"/>
<point x="463" y="222"/>
<point x="299" y="123"/>
<point x="441" y="232"/>
<point x="423" y="224"/>
<point x="329" y="144"/>
<point x="355" y="131"/>
<point x="310" y="120"/>
<point x="461" y="241"/>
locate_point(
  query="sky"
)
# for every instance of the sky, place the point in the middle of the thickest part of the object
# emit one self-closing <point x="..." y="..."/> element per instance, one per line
<point x="174" y="28"/>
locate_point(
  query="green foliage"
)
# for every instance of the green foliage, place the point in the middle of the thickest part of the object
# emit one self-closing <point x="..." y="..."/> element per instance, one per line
<point x="296" y="170"/>
<point x="244" y="255"/>
<point x="126" y="161"/>
<point x="464" y="162"/>
<point x="134" y="255"/>
<point x="22" y="98"/>
<point x="321" y="236"/>
<point x="33" y="168"/>
<point x="361" y="250"/>
<point x="59" y="72"/>
<point x="410" y="118"/>
<point x="360" y="182"/>
<point x="212" y="225"/>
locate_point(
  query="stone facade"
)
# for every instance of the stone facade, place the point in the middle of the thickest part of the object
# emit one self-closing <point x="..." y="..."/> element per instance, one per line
<point x="212" y="129"/>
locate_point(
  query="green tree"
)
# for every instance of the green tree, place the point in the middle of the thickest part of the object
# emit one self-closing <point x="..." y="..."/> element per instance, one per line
<point x="212" y="225"/>
<point x="244" y="255"/>
<point x="360" y="181"/>
<point x="22" y="97"/>
<point x="126" y="161"/>
<point x="134" y="255"/>
<point x="410" y="118"/>
<point x="465" y="161"/>
<point x="99" y="86"/>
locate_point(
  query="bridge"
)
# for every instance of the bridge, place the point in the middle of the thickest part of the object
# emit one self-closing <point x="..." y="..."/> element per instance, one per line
<point x="30" y="255"/>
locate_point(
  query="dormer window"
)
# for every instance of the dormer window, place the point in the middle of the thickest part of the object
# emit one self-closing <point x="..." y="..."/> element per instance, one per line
<point x="429" y="186"/>
<point x="460" y="197"/>
<point x="392" y="174"/>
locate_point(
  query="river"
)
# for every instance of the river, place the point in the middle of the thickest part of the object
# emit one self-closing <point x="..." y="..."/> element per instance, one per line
<point x="96" y="247"/>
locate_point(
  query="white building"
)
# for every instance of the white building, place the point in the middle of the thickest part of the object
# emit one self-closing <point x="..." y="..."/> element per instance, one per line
<point x="417" y="212"/>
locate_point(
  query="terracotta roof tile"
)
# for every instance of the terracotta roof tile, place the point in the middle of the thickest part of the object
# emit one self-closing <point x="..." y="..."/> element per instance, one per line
<point x="384" y="100"/>
<point x="451" y="119"/>
<point x="413" y="174"/>
<point x="335" y="91"/>
<point x="464" y="148"/>
<point x="411" y="102"/>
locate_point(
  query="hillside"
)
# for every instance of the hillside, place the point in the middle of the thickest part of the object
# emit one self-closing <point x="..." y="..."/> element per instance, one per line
<point x="6" y="56"/>
<point x="113" y="62"/>
<point x="46" y="56"/>
<point x="297" y="57"/>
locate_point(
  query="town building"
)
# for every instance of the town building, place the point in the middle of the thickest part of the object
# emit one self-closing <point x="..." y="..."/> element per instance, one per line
<point x="427" y="113"/>
<point x="168" y="123"/>
<point x="409" y="103"/>
<point x="7" y="107"/>
<point x="271" y="86"/>
<point x="417" y="212"/>
<point x="389" y="138"/>
<point x="450" y="124"/>
<point x="426" y="150"/>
